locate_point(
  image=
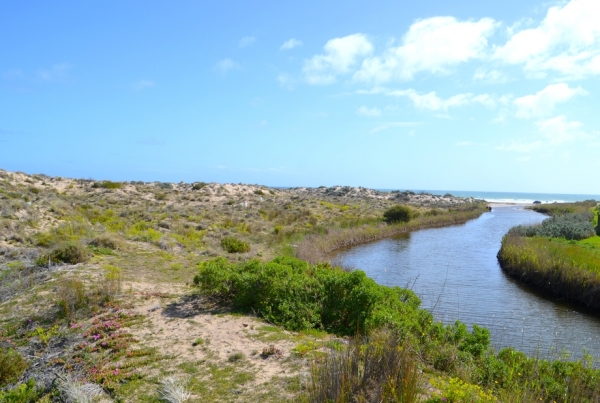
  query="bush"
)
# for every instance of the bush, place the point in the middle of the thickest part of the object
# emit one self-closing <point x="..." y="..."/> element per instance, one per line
<point x="66" y="252"/>
<point x="569" y="226"/>
<point x="107" y="185"/>
<point x="12" y="366"/>
<point x="297" y="295"/>
<point x="24" y="393"/>
<point x="378" y="368"/>
<point x="198" y="185"/>
<point x="397" y="214"/>
<point x="234" y="245"/>
<point x="107" y="240"/>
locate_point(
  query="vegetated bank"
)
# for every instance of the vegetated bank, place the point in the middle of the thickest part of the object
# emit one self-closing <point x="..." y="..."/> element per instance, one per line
<point x="94" y="301"/>
<point x="560" y="256"/>
<point x="316" y="247"/>
<point x="396" y="348"/>
<point x="95" y="293"/>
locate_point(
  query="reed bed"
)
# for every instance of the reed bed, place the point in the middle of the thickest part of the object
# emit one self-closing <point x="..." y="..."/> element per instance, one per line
<point x="569" y="270"/>
<point x="315" y="248"/>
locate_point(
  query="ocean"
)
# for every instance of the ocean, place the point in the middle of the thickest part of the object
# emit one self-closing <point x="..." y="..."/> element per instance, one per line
<point x="512" y="197"/>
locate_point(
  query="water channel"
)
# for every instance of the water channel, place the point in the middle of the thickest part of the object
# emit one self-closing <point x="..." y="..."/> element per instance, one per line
<point x="455" y="272"/>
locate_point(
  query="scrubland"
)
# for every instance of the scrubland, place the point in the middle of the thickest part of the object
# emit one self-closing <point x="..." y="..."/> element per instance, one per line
<point x="206" y="292"/>
<point x="561" y="256"/>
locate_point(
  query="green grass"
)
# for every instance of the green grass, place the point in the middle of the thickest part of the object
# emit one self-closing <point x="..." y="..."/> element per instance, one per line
<point x="570" y="269"/>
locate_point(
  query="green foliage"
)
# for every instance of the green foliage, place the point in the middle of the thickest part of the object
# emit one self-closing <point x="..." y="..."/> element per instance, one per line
<point x="112" y="280"/>
<point x="24" y="393"/>
<point x="12" y="366"/>
<point x="67" y="252"/>
<point x="234" y="245"/>
<point x="107" y="185"/>
<point x="143" y="231"/>
<point x="198" y="185"/>
<point x="570" y="269"/>
<point x="297" y="295"/>
<point x="457" y="391"/>
<point x="569" y="226"/>
<point x="71" y="297"/>
<point x="397" y="214"/>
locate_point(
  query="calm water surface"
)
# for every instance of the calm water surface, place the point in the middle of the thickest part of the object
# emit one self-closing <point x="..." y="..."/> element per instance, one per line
<point x="455" y="272"/>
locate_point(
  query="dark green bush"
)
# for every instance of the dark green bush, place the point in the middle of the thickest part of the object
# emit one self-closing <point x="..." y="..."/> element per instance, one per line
<point x="297" y="295"/>
<point x="198" y="185"/>
<point x="106" y="240"/>
<point x="569" y="226"/>
<point x="66" y="252"/>
<point x="107" y="185"/>
<point x="12" y="366"/>
<point x="397" y="214"/>
<point x="234" y="245"/>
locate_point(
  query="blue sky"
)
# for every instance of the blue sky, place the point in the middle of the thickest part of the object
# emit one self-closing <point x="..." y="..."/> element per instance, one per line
<point x="494" y="95"/>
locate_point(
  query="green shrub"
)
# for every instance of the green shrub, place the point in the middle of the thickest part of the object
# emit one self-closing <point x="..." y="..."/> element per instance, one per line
<point x="297" y="295"/>
<point x="24" y="393"/>
<point x="198" y="185"/>
<point x="12" y="366"/>
<point x="234" y="245"/>
<point x="67" y="252"/>
<point x="569" y="226"/>
<point x="106" y="240"/>
<point x="397" y="214"/>
<point x="107" y="185"/>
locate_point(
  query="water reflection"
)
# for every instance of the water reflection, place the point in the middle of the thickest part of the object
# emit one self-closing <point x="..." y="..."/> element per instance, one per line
<point x="455" y="272"/>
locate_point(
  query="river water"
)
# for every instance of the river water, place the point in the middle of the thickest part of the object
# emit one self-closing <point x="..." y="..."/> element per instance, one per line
<point x="455" y="272"/>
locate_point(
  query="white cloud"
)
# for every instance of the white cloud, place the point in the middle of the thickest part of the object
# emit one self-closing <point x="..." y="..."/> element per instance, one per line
<point x="567" y="41"/>
<point x="389" y="125"/>
<point x="559" y="130"/>
<point x="58" y="72"/>
<point x="369" y="112"/>
<point x="286" y="80"/>
<point x="290" y="44"/>
<point x="247" y="41"/>
<point x="225" y="65"/>
<point x="490" y="76"/>
<point x="553" y="132"/>
<point x="543" y="103"/>
<point x="431" y="101"/>
<point x="143" y="84"/>
<point x="433" y="45"/>
<point x="340" y="55"/>
<point x="521" y="146"/>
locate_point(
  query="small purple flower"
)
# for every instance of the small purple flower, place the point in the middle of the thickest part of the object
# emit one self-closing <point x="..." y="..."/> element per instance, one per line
<point x="96" y="336"/>
<point x="104" y="343"/>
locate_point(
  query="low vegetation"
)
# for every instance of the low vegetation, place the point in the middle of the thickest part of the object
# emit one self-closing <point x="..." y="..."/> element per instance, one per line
<point x="560" y="256"/>
<point x="97" y="300"/>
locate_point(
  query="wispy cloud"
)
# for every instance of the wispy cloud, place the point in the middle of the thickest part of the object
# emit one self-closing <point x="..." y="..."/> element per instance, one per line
<point x="143" y="84"/>
<point x="431" y="101"/>
<point x="290" y="44"/>
<point x="151" y="141"/>
<point x="543" y="102"/>
<point x="286" y="81"/>
<point x="247" y="41"/>
<point x="226" y="65"/>
<point x="389" y="125"/>
<point x="57" y="72"/>
<point x="369" y="112"/>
